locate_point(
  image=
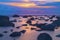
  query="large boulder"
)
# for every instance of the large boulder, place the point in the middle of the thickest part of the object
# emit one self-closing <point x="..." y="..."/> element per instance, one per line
<point x="4" y="21"/>
<point x="44" y="36"/>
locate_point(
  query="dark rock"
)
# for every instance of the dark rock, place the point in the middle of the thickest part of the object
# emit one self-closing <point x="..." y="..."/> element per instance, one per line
<point x="33" y="28"/>
<point x="49" y="27"/>
<point x="32" y="18"/>
<point x="25" y="16"/>
<point x="15" y="34"/>
<point x="52" y="17"/>
<point x="39" y="30"/>
<point x="23" y="31"/>
<point x="18" y="27"/>
<point x="56" y="27"/>
<point x="4" y="21"/>
<point x="36" y="18"/>
<point x="29" y="15"/>
<point x="5" y="32"/>
<point x="56" y="23"/>
<point x="11" y="30"/>
<point x="51" y="20"/>
<point x="24" y="24"/>
<point x="15" y="15"/>
<point x="58" y="35"/>
<point x="58" y="17"/>
<point x="33" y="24"/>
<point x="44" y="36"/>
<point x="1" y="35"/>
<point x="29" y="22"/>
<point x="46" y="19"/>
<point x="42" y="18"/>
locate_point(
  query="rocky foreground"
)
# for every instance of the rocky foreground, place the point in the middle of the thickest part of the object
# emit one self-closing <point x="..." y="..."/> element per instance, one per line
<point x="29" y="27"/>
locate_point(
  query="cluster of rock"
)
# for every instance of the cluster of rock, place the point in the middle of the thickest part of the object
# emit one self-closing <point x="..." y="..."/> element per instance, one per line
<point x="50" y="27"/>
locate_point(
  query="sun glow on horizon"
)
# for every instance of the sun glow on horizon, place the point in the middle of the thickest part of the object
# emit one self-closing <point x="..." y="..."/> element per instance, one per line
<point x="26" y="5"/>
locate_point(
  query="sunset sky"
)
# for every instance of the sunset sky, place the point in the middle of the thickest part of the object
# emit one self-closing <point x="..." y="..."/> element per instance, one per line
<point x="31" y="0"/>
<point x="37" y="7"/>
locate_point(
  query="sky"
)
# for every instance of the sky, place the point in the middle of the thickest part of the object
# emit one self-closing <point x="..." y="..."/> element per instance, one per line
<point x="32" y="0"/>
<point x="42" y="7"/>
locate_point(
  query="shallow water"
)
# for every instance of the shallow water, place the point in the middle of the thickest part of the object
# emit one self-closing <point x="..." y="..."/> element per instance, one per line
<point x="28" y="35"/>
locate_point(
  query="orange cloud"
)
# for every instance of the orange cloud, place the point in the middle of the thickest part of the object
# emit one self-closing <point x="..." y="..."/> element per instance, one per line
<point x="27" y="5"/>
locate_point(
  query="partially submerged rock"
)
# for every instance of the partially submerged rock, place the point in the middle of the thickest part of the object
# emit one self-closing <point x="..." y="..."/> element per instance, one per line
<point x="4" y="21"/>
<point x="23" y="31"/>
<point x="11" y="30"/>
<point x="1" y="35"/>
<point x="58" y="35"/>
<point x="18" y="27"/>
<point x="33" y="28"/>
<point x="44" y="36"/>
<point x="5" y="32"/>
<point x="15" y="34"/>
<point x="25" y="16"/>
<point x="24" y="24"/>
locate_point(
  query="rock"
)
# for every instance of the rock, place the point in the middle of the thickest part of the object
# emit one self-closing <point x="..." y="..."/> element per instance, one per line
<point x="36" y="18"/>
<point x="39" y="30"/>
<point x="15" y="15"/>
<point x="51" y="20"/>
<point x="24" y="24"/>
<point x="5" y="32"/>
<point x="56" y="23"/>
<point x="33" y="28"/>
<point x="32" y="18"/>
<point x="15" y="34"/>
<point x="44" y="36"/>
<point x="25" y="16"/>
<point x="18" y="27"/>
<point x="46" y="19"/>
<point x="11" y="30"/>
<point x="49" y="27"/>
<point x="1" y="35"/>
<point x="4" y="21"/>
<point x="58" y="35"/>
<point x="42" y="18"/>
<point x="52" y="17"/>
<point x="23" y="31"/>
<point x="29" y="22"/>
